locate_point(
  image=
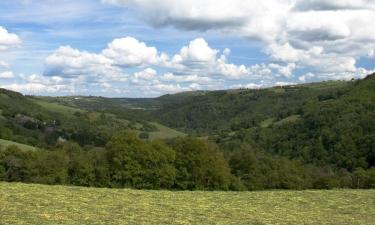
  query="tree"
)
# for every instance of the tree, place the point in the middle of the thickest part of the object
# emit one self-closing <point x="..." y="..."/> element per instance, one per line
<point x="199" y="165"/>
<point x="138" y="164"/>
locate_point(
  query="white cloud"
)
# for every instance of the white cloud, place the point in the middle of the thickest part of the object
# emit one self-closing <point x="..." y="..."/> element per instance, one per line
<point x="6" y="75"/>
<point x="35" y="88"/>
<point x="196" y="65"/>
<point x="37" y="84"/>
<point x="198" y="51"/>
<point x="147" y="74"/>
<point x="4" y="65"/>
<point x="371" y="53"/>
<point x="281" y="83"/>
<point x="305" y="26"/>
<point x="8" y="40"/>
<point x="334" y="5"/>
<point x="129" y="52"/>
<point x="198" y="58"/>
<point x="359" y="73"/>
<point x="72" y="63"/>
<point x="144" y="76"/>
<point x="195" y="62"/>
<point x="306" y="77"/>
<point x="286" y="71"/>
<point x="257" y="19"/>
<point x="170" y="77"/>
<point x="316" y="34"/>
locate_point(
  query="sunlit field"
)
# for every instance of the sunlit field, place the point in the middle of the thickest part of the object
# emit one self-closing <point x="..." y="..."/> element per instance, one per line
<point x="40" y="204"/>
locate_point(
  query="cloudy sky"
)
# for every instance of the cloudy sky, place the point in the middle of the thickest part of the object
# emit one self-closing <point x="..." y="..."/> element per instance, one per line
<point x="146" y="48"/>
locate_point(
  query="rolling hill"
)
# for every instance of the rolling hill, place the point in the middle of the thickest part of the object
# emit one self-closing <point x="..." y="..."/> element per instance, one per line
<point x="319" y="135"/>
<point x="38" y="122"/>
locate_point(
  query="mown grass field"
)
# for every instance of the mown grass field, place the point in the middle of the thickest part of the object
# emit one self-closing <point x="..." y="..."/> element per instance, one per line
<point x="39" y="204"/>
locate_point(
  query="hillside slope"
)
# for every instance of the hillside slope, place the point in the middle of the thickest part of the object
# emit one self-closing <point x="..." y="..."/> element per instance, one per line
<point x="217" y="111"/>
<point x="319" y="135"/>
<point x="38" y="122"/>
<point x="332" y="132"/>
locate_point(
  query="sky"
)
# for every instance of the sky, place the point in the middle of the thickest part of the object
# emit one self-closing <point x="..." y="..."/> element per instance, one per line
<point x="148" y="48"/>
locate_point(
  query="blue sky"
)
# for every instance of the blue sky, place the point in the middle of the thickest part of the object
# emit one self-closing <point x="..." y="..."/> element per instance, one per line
<point x="145" y="48"/>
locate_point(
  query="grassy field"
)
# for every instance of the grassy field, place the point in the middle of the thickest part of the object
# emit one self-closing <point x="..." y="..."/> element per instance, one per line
<point x="164" y="132"/>
<point x="39" y="204"/>
<point x="6" y="143"/>
<point x="54" y="107"/>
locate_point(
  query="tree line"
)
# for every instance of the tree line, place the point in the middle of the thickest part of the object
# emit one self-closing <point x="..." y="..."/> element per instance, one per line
<point x="179" y="164"/>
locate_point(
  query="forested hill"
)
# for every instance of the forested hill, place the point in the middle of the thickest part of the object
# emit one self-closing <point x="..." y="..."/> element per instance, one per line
<point x="217" y="111"/>
<point x="335" y="129"/>
<point x="319" y="135"/>
<point x="330" y="125"/>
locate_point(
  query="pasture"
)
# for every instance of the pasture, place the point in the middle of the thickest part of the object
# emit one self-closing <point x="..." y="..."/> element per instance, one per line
<point x="40" y="204"/>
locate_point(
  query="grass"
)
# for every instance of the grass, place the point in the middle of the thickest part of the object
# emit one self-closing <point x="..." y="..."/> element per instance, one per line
<point x="164" y="132"/>
<point x="39" y="204"/>
<point x="267" y="122"/>
<point x="271" y="121"/>
<point x="6" y="143"/>
<point x="55" y="107"/>
<point x="290" y="119"/>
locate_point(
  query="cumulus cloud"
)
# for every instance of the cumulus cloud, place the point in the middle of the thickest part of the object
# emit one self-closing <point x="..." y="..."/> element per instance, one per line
<point x="286" y="71"/>
<point x="35" y="84"/>
<point x="37" y="88"/>
<point x="281" y="83"/>
<point x="258" y="19"/>
<point x="198" y="58"/>
<point x="371" y="53"/>
<point x="196" y="64"/>
<point x="6" y="75"/>
<point x="145" y="76"/>
<point x="132" y="64"/>
<point x="170" y="77"/>
<point x="8" y="40"/>
<point x="198" y="51"/>
<point x="334" y="5"/>
<point x="314" y="34"/>
<point x="306" y="77"/>
<point x="129" y="52"/>
<point x="72" y="63"/>
<point x="4" y="65"/>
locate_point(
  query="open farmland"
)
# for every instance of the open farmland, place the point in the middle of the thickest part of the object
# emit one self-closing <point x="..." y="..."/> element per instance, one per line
<point x="40" y="204"/>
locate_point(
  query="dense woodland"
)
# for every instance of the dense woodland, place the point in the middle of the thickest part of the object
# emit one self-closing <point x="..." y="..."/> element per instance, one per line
<point x="319" y="135"/>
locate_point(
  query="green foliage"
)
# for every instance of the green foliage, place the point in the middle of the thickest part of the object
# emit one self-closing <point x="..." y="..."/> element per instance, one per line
<point x="127" y="161"/>
<point x="144" y="135"/>
<point x="364" y="178"/>
<point x="199" y="165"/>
<point x="213" y="112"/>
<point x="258" y="171"/>
<point x="6" y="143"/>
<point x="43" y="122"/>
<point x="134" y="163"/>
<point x="318" y="135"/>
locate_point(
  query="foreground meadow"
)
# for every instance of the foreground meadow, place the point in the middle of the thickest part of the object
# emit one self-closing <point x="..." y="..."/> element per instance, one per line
<point x="40" y="204"/>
